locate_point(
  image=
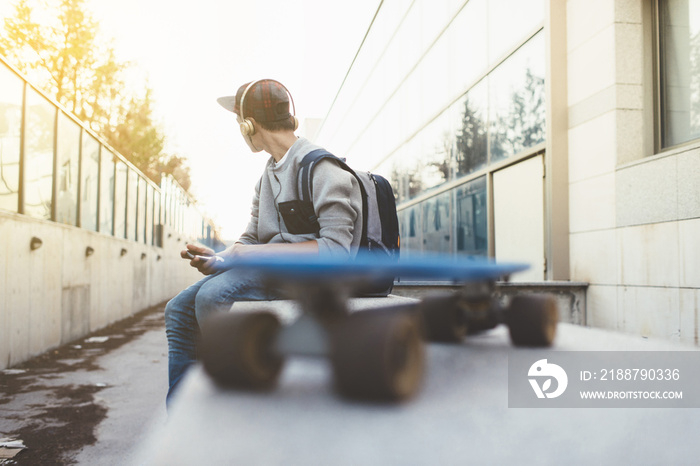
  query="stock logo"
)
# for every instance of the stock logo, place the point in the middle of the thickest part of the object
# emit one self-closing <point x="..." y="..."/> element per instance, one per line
<point x="544" y="372"/>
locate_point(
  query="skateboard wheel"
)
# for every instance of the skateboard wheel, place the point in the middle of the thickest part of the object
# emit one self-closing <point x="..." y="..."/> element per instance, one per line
<point x="237" y="349"/>
<point x="378" y="356"/>
<point x="443" y="319"/>
<point x="532" y="320"/>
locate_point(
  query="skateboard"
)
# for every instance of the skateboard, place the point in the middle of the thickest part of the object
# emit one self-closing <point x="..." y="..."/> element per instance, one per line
<point x="375" y="354"/>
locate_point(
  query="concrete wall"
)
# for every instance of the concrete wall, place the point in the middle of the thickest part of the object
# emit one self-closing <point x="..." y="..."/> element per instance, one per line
<point x="634" y="213"/>
<point x="56" y="294"/>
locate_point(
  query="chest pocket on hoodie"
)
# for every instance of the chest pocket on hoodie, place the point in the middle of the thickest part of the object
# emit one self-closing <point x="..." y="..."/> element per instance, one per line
<point x="299" y="217"/>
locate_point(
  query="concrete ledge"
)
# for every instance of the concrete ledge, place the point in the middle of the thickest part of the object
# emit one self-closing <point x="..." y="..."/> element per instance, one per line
<point x="460" y="417"/>
<point x="570" y="296"/>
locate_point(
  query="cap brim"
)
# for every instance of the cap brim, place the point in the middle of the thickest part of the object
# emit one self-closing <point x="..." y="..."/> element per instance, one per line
<point x="228" y="102"/>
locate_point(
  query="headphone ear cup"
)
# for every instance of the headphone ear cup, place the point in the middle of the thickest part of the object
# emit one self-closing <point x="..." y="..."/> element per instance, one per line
<point x="247" y="128"/>
<point x="296" y="122"/>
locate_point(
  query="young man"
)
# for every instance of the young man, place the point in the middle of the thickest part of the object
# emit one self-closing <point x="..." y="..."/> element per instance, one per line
<point x="263" y="113"/>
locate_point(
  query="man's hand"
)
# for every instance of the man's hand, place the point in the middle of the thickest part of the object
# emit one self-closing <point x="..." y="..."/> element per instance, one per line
<point x="204" y="259"/>
<point x="207" y="263"/>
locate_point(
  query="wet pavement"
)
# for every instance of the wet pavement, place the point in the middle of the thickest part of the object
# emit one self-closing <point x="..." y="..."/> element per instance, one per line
<point x="91" y="401"/>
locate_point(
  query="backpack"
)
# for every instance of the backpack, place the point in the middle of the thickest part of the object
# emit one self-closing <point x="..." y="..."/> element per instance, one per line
<point x="380" y="224"/>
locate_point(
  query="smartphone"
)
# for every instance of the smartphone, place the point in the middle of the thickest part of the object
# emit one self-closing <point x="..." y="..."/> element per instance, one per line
<point x="191" y="255"/>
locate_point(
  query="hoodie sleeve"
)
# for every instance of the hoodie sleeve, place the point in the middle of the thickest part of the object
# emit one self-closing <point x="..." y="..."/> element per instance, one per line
<point x="338" y="205"/>
<point x="250" y="235"/>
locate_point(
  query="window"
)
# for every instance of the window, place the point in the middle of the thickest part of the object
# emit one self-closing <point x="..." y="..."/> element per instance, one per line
<point x="437" y="224"/>
<point x="10" y="126"/>
<point x="107" y="192"/>
<point x="150" y="191"/>
<point x="508" y="29"/>
<point x="38" y="155"/>
<point x="120" y="200"/>
<point x="90" y="161"/>
<point x="516" y="101"/>
<point x="67" y="160"/>
<point x="131" y="204"/>
<point x="158" y="219"/>
<point x="141" y="211"/>
<point x="679" y="70"/>
<point x="472" y="134"/>
<point x="472" y="229"/>
<point x="410" y="228"/>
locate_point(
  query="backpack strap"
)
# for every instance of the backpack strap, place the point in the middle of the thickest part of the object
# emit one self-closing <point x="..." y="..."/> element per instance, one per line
<point x="305" y="187"/>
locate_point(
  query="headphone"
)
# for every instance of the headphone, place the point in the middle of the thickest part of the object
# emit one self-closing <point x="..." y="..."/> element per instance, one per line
<point x="247" y="127"/>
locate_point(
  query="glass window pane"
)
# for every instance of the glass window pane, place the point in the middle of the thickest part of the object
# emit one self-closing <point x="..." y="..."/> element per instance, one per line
<point x="11" y="87"/>
<point x="437" y="224"/>
<point x="38" y="155"/>
<point x="434" y="77"/>
<point x="89" y="184"/>
<point x="120" y="200"/>
<point x="411" y="232"/>
<point x="509" y="23"/>
<point x="437" y="146"/>
<point x="517" y="106"/>
<point x="174" y="204"/>
<point x="409" y="41"/>
<point x="467" y="36"/>
<point x="141" y="211"/>
<point x="426" y="160"/>
<point x="67" y="160"/>
<point x="471" y="222"/>
<point x="164" y="200"/>
<point x="179" y="211"/>
<point x="107" y="192"/>
<point x="149" y="213"/>
<point x="680" y="70"/>
<point x="158" y="220"/>
<point x="131" y="203"/>
<point x="412" y="168"/>
<point x="169" y="203"/>
<point x="472" y="132"/>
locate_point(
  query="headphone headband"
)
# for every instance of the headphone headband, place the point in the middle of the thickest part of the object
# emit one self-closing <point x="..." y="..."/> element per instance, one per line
<point x="250" y="86"/>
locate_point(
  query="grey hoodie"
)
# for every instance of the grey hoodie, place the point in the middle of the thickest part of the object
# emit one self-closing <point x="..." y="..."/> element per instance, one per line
<point x="336" y="197"/>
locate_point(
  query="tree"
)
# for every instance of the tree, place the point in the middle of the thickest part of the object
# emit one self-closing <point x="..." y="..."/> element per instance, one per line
<point x="62" y="53"/>
<point x="471" y="141"/>
<point x="137" y="134"/>
<point x="524" y="124"/>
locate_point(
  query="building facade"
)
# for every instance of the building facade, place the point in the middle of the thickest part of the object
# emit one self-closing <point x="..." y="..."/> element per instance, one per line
<point x="561" y="133"/>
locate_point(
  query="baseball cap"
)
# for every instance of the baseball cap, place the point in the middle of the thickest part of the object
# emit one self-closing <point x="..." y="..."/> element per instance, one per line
<point x="266" y="101"/>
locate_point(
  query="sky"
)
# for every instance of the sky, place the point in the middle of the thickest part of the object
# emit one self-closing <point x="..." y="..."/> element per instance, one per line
<point x="190" y="53"/>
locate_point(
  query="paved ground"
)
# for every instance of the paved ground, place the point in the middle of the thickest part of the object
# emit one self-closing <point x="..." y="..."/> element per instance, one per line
<point x="97" y="402"/>
<point x="460" y="417"/>
<point x="89" y="402"/>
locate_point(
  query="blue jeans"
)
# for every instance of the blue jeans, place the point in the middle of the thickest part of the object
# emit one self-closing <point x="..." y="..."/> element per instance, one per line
<point x="186" y="311"/>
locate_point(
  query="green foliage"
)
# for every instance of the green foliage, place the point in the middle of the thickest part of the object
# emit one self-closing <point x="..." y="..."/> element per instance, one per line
<point x="56" y="44"/>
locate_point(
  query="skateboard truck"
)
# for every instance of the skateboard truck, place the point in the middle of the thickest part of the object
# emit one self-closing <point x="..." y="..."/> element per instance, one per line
<point x="531" y="319"/>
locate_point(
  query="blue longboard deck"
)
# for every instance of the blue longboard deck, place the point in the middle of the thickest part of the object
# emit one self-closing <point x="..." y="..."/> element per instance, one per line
<point x="429" y="267"/>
